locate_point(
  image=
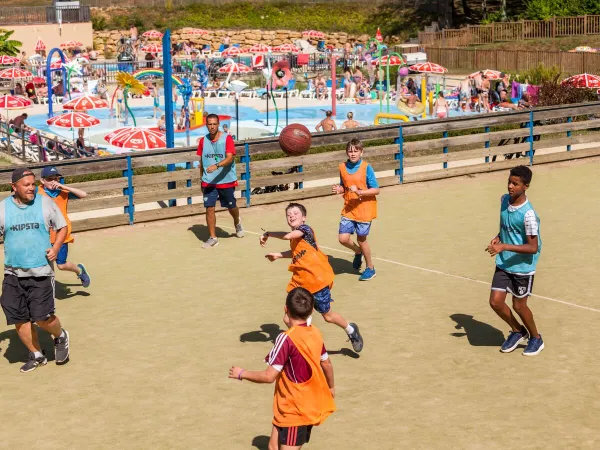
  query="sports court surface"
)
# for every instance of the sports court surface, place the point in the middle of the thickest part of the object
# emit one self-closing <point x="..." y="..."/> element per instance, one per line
<point x="153" y="338"/>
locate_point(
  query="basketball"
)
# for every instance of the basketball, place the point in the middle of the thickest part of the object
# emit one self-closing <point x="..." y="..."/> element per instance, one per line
<point x="295" y="140"/>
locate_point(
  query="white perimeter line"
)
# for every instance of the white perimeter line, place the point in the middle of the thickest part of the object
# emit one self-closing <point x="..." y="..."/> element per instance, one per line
<point x="439" y="272"/>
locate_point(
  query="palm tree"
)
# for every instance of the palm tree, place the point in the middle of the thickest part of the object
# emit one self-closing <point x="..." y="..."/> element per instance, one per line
<point x="8" y="46"/>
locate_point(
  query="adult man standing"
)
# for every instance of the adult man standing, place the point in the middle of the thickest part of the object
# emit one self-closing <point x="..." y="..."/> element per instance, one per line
<point x="219" y="179"/>
<point x="28" y="287"/>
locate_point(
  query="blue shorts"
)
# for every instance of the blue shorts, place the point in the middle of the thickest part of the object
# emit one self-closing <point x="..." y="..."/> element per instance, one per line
<point x="156" y="102"/>
<point x="323" y="300"/>
<point x="63" y="253"/>
<point x="348" y="226"/>
<point x="226" y="197"/>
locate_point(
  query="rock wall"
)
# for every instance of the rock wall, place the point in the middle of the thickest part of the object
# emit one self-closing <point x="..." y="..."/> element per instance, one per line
<point x="246" y="38"/>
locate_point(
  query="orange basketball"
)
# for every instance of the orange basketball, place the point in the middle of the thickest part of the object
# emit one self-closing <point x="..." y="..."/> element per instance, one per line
<point x="295" y="139"/>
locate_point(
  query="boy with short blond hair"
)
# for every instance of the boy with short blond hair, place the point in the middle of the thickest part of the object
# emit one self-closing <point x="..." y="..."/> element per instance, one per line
<point x="359" y="186"/>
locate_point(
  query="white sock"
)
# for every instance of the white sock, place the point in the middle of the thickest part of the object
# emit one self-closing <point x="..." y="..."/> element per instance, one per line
<point x="349" y="329"/>
<point x="63" y="334"/>
<point x="38" y="354"/>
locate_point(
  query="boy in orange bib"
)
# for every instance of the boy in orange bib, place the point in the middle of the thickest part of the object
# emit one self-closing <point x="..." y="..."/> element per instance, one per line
<point x="310" y="268"/>
<point x="303" y="376"/>
<point x="360" y="188"/>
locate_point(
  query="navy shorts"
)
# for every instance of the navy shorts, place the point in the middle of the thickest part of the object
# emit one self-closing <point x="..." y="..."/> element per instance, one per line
<point x="63" y="254"/>
<point x="520" y="286"/>
<point x="226" y="197"/>
<point x="323" y="300"/>
<point x="348" y="226"/>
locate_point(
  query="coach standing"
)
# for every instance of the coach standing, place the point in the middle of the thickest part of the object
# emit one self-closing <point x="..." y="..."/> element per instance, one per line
<point x="219" y="179"/>
<point x="28" y="286"/>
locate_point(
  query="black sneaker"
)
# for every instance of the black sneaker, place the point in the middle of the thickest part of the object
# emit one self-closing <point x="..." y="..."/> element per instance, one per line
<point x="61" y="349"/>
<point x="33" y="363"/>
<point x="356" y="339"/>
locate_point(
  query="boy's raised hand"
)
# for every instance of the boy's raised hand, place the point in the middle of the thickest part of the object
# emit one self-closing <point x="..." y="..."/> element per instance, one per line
<point x="263" y="239"/>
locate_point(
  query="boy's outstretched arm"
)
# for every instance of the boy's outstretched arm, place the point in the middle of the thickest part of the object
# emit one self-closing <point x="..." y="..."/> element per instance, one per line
<point x="269" y="375"/>
<point x="328" y="371"/>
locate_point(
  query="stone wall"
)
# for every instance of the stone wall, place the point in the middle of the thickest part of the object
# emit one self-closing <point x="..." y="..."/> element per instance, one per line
<point x="245" y="38"/>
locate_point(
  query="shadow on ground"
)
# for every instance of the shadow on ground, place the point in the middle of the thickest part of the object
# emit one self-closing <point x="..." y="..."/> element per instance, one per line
<point x="201" y="232"/>
<point x="340" y="265"/>
<point x="16" y="352"/>
<point x="344" y="352"/>
<point x="261" y="442"/>
<point x="268" y="333"/>
<point x="478" y="333"/>
<point x="63" y="291"/>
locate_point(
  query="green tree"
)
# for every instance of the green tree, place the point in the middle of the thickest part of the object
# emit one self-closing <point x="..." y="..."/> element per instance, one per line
<point x="8" y="46"/>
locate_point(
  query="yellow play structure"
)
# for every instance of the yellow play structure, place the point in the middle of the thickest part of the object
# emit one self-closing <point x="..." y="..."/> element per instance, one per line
<point x="196" y="112"/>
<point x="380" y="116"/>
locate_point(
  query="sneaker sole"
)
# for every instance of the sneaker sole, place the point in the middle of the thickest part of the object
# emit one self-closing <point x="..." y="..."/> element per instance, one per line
<point x="362" y="342"/>
<point x="66" y="360"/>
<point x="35" y="367"/>
<point x="210" y="246"/>
<point x="512" y="349"/>
<point x="535" y="353"/>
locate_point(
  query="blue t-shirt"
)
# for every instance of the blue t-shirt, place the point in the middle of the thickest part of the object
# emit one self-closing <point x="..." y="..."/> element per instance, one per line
<point x="371" y="178"/>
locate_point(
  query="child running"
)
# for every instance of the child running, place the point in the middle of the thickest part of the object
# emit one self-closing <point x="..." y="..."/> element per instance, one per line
<point x="359" y="186"/>
<point x="303" y="373"/>
<point x="310" y="268"/>
<point x="517" y="249"/>
<point x="61" y="194"/>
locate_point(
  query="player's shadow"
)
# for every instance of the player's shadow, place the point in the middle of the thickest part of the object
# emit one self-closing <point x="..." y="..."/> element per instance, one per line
<point x="63" y="291"/>
<point x="261" y="442"/>
<point x="478" y="333"/>
<point x="201" y="232"/>
<point x="16" y="352"/>
<point x="268" y="333"/>
<point x="340" y="265"/>
<point x="344" y="352"/>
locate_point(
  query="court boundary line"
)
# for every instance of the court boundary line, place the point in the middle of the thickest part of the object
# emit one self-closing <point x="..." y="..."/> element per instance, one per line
<point x="440" y="272"/>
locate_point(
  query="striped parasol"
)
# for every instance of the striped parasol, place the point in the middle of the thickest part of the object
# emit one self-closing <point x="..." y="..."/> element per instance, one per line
<point x="6" y="60"/>
<point x="73" y="119"/>
<point x="152" y="34"/>
<point x="195" y="32"/>
<point x="490" y="74"/>
<point x="394" y="60"/>
<point x="39" y="45"/>
<point x="286" y="48"/>
<point x="137" y="138"/>
<point x="259" y="48"/>
<point x="14" y="72"/>
<point x="234" y="68"/>
<point x="85" y="102"/>
<point x="428" y="68"/>
<point x="583" y="80"/>
<point x="232" y="51"/>
<point x="313" y="34"/>
<point x="152" y="48"/>
<point x="71" y="44"/>
<point x="14" y="102"/>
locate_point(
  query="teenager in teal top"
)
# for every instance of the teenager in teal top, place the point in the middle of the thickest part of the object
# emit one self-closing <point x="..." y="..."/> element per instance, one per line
<point x="517" y="249"/>
<point x="28" y="286"/>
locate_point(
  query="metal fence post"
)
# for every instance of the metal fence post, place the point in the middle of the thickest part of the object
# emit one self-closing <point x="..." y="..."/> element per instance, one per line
<point x="247" y="175"/>
<point x="400" y="155"/>
<point x="569" y="133"/>
<point x="128" y="191"/>
<point x="445" y="150"/>
<point x="487" y="144"/>
<point x="531" y="138"/>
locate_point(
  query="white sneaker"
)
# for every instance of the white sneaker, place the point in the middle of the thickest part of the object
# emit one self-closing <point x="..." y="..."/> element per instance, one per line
<point x="210" y="242"/>
<point x="239" y="230"/>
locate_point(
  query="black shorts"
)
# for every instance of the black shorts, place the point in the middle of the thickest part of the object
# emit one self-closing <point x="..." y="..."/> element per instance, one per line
<point x="225" y="195"/>
<point x="29" y="299"/>
<point x="294" y="436"/>
<point x="518" y="285"/>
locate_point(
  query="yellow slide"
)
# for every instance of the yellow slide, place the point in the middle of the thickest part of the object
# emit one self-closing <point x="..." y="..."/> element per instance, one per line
<point x="380" y="116"/>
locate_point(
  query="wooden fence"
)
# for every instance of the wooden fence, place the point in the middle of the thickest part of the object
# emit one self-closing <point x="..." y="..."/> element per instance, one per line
<point x="514" y="60"/>
<point x="512" y="31"/>
<point x="416" y="151"/>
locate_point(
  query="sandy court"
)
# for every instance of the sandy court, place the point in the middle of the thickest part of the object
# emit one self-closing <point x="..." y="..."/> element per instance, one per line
<point x="153" y="338"/>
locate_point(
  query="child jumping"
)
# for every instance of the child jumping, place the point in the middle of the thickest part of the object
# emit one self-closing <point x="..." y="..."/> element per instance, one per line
<point x="303" y="373"/>
<point x="310" y="269"/>
<point x="359" y="186"/>
<point x="60" y="194"/>
<point x="517" y="249"/>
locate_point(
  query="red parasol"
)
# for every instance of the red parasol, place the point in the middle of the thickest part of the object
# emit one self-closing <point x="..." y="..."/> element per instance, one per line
<point x="394" y="61"/>
<point x="71" y="44"/>
<point x="490" y="74"/>
<point x="152" y="34"/>
<point x="313" y="34"/>
<point x="39" y="45"/>
<point x="14" y="102"/>
<point x="152" y="48"/>
<point x="286" y="48"/>
<point x="13" y="72"/>
<point x="378" y="35"/>
<point x="73" y="120"/>
<point x="137" y="138"/>
<point x="85" y="102"/>
<point x="259" y="48"/>
<point x="234" y="68"/>
<point x="584" y="80"/>
<point x="57" y="64"/>
<point x="195" y="32"/>
<point x="6" y="60"/>
<point x="38" y="80"/>
<point x="428" y="68"/>
<point x="232" y="51"/>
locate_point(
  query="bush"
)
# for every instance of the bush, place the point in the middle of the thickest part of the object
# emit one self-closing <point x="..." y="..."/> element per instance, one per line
<point x="119" y="22"/>
<point x="553" y="93"/>
<point x="99" y="23"/>
<point x="537" y="75"/>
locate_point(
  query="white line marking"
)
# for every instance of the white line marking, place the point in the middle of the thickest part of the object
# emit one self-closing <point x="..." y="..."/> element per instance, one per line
<point x="439" y="272"/>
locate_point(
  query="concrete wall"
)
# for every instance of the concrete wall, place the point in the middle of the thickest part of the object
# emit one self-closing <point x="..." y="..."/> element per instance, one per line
<point x="51" y="34"/>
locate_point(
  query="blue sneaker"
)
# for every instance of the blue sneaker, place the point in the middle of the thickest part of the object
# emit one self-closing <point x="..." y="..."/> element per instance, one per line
<point x="534" y="346"/>
<point x="513" y="340"/>
<point x="84" y="276"/>
<point x="368" y="274"/>
<point x="357" y="261"/>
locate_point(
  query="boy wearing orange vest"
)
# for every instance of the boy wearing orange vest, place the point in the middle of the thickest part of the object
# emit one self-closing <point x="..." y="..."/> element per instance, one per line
<point x="303" y="376"/>
<point x="359" y="186"/>
<point x="60" y="194"/>
<point x="310" y="269"/>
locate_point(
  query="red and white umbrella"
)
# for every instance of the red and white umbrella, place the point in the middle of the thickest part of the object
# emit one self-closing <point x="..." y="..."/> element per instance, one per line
<point x="38" y="80"/>
<point x="195" y="32"/>
<point x="14" y="72"/>
<point x="394" y="61"/>
<point x="584" y="80"/>
<point x="137" y="138"/>
<point x="57" y="64"/>
<point x="73" y="119"/>
<point x="232" y="51"/>
<point x="490" y="74"/>
<point x="6" y="60"/>
<point x="234" y="68"/>
<point x="85" y="102"/>
<point x="39" y="45"/>
<point x="259" y="48"/>
<point x="71" y="44"/>
<point x="378" y="35"/>
<point x="313" y="34"/>
<point x="14" y="102"/>
<point x="428" y="68"/>
<point x="152" y="48"/>
<point x="152" y="34"/>
<point x="286" y="48"/>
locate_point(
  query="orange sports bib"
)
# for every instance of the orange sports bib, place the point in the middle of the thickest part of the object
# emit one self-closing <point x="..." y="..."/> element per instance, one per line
<point x="355" y="208"/>
<point x="61" y="201"/>
<point x="310" y="267"/>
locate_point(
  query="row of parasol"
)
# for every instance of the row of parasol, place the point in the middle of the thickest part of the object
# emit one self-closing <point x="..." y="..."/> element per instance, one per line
<point x="236" y="51"/>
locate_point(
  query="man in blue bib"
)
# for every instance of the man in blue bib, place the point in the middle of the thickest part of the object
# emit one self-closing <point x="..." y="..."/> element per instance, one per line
<point x="28" y="286"/>
<point x="219" y="179"/>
